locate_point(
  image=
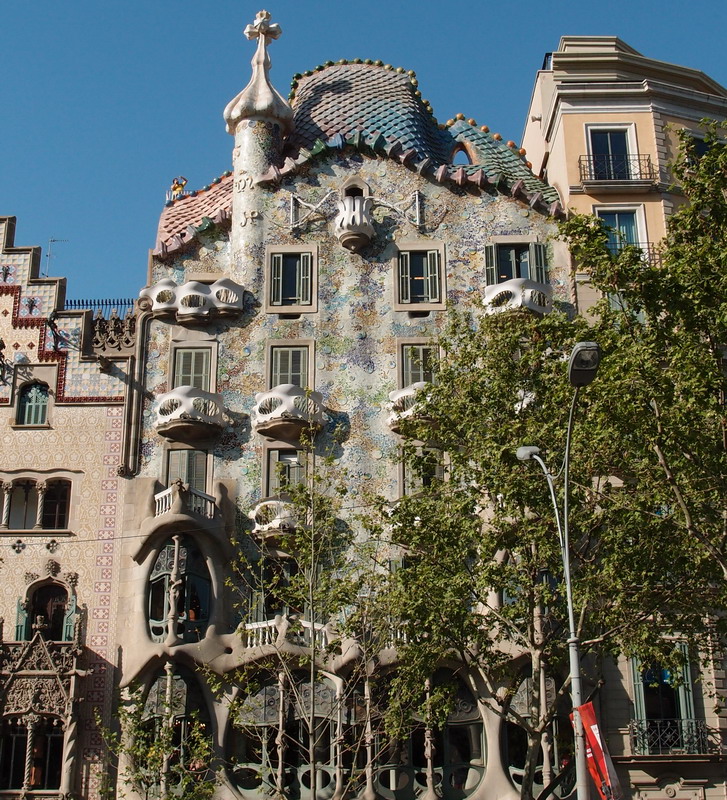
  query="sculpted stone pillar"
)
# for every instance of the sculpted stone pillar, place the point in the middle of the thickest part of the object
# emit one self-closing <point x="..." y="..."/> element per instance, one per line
<point x="7" y="494"/>
<point x="41" y="488"/>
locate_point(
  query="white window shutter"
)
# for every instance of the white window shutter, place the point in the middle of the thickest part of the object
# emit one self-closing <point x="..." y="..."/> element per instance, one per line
<point x="539" y="262"/>
<point x="491" y="264"/>
<point x="305" y="271"/>
<point x="404" y="278"/>
<point x="434" y="276"/>
<point x="276" y="279"/>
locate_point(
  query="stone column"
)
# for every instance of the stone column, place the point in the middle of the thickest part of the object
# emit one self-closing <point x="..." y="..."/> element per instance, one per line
<point x="7" y="495"/>
<point x="41" y="488"/>
<point x="32" y="721"/>
<point x="175" y="586"/>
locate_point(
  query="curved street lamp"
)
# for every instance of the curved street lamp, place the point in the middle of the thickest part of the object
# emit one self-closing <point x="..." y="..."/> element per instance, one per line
<point x="582" y="367"/>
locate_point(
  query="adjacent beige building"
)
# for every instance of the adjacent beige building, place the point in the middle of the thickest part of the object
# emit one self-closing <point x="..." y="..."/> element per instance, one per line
<point x="601" y="128"/>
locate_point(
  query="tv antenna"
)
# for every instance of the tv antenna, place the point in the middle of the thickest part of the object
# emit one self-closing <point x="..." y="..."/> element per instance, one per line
<point x="49" y="253"/>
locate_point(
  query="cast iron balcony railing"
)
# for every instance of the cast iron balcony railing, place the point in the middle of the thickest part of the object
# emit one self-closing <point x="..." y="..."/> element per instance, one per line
<point x="660" y="737"/>
<point x="649" y="252"/>
<point x="616" y="168"/>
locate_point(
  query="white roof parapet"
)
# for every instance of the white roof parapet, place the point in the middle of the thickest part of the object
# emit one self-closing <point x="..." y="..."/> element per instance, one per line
<point x="519" y="293"/>
<point x="260" y="100"/>
<point x="194" y="299"/>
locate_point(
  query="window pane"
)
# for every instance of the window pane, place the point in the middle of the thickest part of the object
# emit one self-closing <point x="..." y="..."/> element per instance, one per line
<point x="623" y="225"/>
<point x="513" y="261"/>
<point x="418" y="277"/>
<point x="289" y="365"/>
<point x="192" y="368"/>
<point x="286" y="469"/>
<point x="189" y="466"/>
<point x="33" y="405"/>
<point x="417" y="364"/>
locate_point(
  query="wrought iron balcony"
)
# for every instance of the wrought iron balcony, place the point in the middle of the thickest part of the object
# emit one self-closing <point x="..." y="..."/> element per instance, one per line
<point x="649" y="252"/>
<point x="193" y="300"/>
<point x="519" y="293"/>
<point x="624" y="168"/>
<point x="285" y="411"/>
<point x="650" y="737"/>
<point x="180" y="499"/>
<point x="188" y="414"/>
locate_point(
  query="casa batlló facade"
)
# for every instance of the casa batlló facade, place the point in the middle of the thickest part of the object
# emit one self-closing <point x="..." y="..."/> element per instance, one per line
<point x="299" y="292"/>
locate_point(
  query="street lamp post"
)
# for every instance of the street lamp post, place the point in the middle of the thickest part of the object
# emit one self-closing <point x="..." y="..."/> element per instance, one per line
<point x="582" y="369"/>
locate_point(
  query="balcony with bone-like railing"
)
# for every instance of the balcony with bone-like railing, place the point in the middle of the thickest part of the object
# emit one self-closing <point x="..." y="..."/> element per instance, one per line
<point x="273" y="518"/>
<point x="181" y="499"/>
<point x="188" y="414"/>
<point x="280" y="629"/>
<point x="519" y="293"/>
<point x="405" y="404"/>
<point x="193" y="300"/>
<point x="286" y="411"/>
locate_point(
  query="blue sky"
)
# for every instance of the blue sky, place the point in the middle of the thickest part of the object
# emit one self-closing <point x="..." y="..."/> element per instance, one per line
<point x="105" y="101"/>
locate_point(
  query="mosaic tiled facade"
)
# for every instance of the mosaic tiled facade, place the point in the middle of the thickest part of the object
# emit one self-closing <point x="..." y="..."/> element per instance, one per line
<point x="300" y="289"/>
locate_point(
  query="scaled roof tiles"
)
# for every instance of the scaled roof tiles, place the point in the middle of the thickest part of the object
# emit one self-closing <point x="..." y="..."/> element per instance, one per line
<point x="376" y="109"/>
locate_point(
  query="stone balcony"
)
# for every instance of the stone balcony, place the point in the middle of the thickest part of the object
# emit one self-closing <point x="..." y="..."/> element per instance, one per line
<point x="353" y="225"/>
<point x="272" y="519"/>
<point x="193" y="300"/>
<point x="179" y="499"/>
<point x="405" y="404"/>
<point x="519" y="293"/>
<point x="281" y="630"/>
<point x="286" y="411"/>
<point x="189" y="415"/>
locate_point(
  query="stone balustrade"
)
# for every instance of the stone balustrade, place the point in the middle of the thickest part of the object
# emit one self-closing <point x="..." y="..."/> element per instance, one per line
<point x="519" y="293"/>
<point x="193" y="300"/>
<point x="285" y="411"/>
<point x="180" y="499"/>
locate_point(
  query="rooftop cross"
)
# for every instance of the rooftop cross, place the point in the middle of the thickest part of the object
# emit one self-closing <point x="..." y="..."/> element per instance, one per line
<point x="259" y="99"/>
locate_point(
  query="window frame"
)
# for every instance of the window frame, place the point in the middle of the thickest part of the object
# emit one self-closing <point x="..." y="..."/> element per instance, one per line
<point x="168" y="472"/>
<point x="272" y="307"/>
<point x="28" y="387"/>
<point x="23" y="477"/>
<point x="179" y="350"/>
<point x="402" y="345"/>
<point x="539" y="258"/>
<point x="270" y="466"/>
<point x="637" y="209"/>
<point x="400" y="261"/>
<point x="303" y="344"/>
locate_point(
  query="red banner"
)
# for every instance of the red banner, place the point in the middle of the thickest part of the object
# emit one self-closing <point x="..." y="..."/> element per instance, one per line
<point x="597" y="757"/>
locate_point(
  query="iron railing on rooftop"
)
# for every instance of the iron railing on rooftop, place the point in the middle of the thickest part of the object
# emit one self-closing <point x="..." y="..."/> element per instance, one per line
<point x="105" y="306"/>
<point x="616" y="168"/>
<point x="651" y="737"/>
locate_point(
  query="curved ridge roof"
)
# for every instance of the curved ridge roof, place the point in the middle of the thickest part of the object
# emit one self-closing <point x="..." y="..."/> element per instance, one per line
<point x="378" y="110"/>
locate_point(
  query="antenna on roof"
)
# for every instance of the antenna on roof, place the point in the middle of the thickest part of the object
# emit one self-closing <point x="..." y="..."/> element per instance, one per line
<point x="48" y="254"/>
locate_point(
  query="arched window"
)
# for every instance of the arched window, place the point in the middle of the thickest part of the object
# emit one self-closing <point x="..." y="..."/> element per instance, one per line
<point x="461" y="157"/>
<point x="45" y="740"/>
<point x="55" y="504"/>
<point x="49" y="610"/>
<point x="33" y="404"/>
<point x="179" y="592"/>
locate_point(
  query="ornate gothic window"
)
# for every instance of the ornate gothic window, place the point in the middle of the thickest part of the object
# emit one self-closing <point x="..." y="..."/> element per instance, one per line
<point x="47" y="609"/>
<point x="34" y="504"/>
<point x="35" y="743"/>
<point x="179" y="593"/>
<point x="33" y="404"/>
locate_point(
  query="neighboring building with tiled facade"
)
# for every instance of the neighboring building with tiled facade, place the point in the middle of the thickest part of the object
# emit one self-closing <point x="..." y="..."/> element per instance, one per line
<point x="300" y="291"/>
<point x="61" y="441"/>
<point x="601" y="129"/>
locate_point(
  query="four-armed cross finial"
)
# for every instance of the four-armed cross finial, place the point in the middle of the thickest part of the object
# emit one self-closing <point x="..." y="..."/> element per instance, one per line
<point x="263" y="27"/>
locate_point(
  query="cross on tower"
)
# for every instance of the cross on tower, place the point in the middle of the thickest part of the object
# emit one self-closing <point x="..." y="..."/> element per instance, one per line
<point x="263" y="27"/>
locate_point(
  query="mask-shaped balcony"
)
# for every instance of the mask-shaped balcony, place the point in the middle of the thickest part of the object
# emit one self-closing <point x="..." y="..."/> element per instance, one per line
<point x="353" y="225"/>
<point x="519" y="293"/>
<point x="273" y="519"/>
<point x="188" y="414"/>
<point x="193" y="300"/>
<point x="405" y="404"/>
<point x="286" y="411"/>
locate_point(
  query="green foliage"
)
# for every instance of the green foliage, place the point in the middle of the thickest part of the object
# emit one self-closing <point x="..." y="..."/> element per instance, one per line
<point x="157" y="759"/>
